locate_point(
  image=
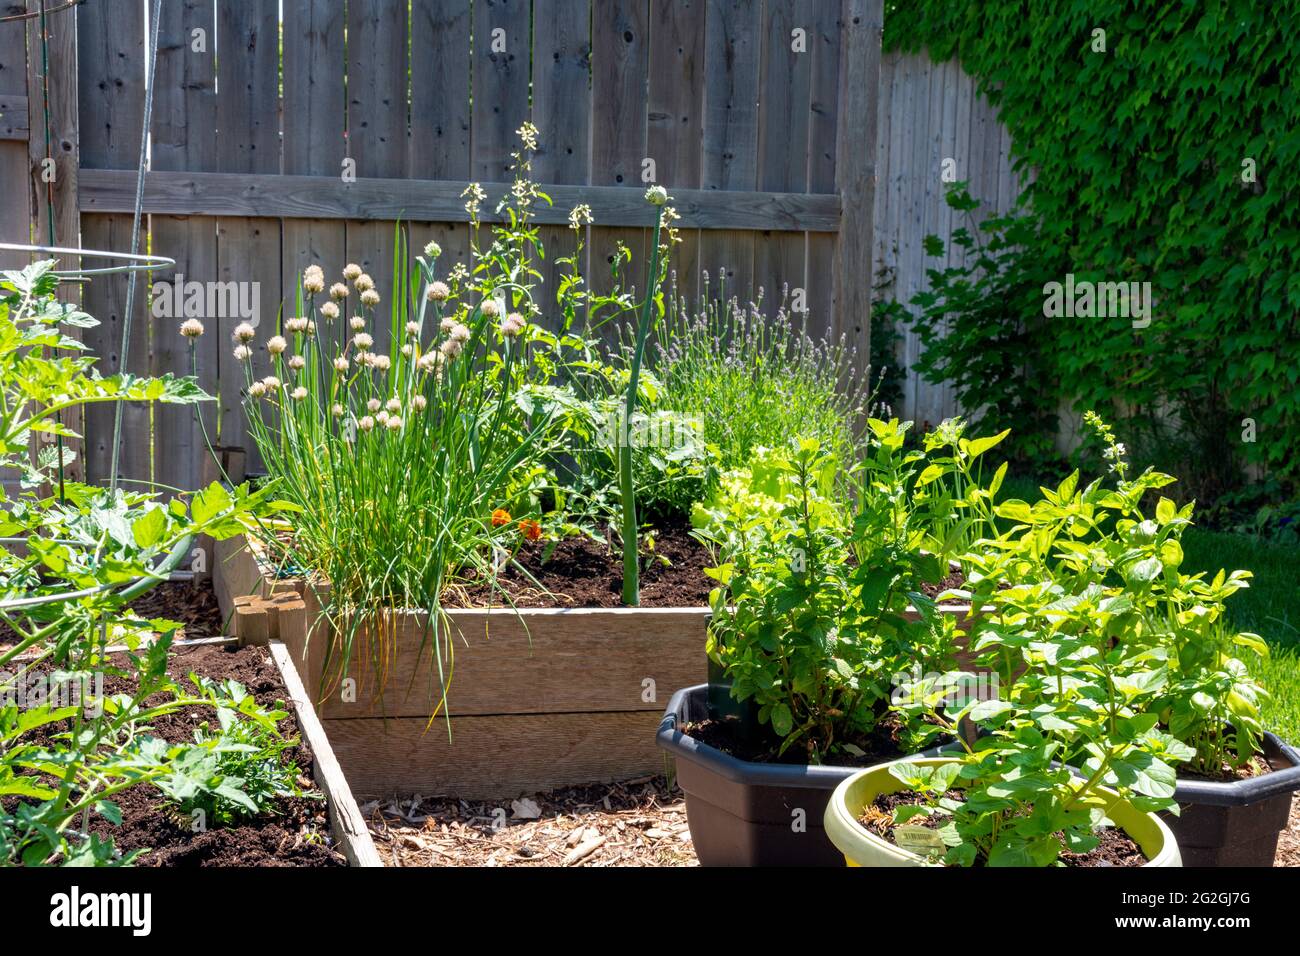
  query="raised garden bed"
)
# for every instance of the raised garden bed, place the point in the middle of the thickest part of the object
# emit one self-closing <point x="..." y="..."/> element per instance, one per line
<point x="540" y="698"/>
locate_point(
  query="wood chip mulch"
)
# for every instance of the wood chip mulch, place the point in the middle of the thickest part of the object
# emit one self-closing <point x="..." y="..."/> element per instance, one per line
<point x="635" y="823"/>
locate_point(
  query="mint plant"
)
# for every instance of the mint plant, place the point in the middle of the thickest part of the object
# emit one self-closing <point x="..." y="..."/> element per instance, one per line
<point x="821" y="608"/>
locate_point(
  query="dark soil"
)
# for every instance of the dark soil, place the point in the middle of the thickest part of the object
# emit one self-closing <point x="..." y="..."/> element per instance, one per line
<point x="954" y="580"/>
<point x="1117" y="848"/>
<point x="294" y="834"/>
<point x="192" y="603"/>
<point x="726" y="735"/>
<point x="1257" y="766"/>
<point x="581" y="572"/>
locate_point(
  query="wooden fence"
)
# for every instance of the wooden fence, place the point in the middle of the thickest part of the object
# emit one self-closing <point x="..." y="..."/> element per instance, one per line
<point x="755" y="114"/>
<point x="933" y="124"/>
<point x="759" y="115"/>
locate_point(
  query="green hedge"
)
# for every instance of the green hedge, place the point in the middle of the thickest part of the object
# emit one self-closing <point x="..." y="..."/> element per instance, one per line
<point x="1139" y="154"/>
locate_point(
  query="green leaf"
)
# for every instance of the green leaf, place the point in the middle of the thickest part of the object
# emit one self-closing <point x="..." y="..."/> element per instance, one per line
<point x="149" y="528"/>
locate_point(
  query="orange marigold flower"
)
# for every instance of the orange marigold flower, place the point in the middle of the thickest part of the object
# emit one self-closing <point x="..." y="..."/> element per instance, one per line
<point x="500" y="517"/>
<point x="530" y="529"/>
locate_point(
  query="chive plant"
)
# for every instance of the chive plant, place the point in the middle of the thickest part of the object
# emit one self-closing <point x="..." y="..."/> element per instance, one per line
<point x="402" y="464"/>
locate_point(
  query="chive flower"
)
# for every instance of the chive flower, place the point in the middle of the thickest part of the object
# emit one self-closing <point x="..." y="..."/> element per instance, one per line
<point x="191" y="328"/>
<point x="351" y="272"/>
<point x="276" y="344"/>
<point x="438" y="292"/>
<point x="244" y="332"/>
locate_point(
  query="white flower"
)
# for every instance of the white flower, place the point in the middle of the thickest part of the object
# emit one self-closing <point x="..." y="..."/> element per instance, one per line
<point x="382" y="418"/>
<point x="656" y="196"/>
<point x="257" y="390"/>
<point x="330" y="310"/>
<point x="459" y="333"/>
<point x="491" y="308"/>
<point x="276" y="344"/>
<point x="337" y="410"/>
<point x="394" y="423"/>
<point x="313" y="279"/>
<point x="528" y="134"/>
<point x="297" y="363"/>
<point x="271" y="383"/>
<point x="381" y="362"/>
<point x="339" y="290"/>
<point x="191" y="328"/>
<point x="514" y="324"/>
<point x="430" y="361"/>
<point x="297" y="324"/>
<point x="243" y="353"/>
<point x="365" y="423"/>
<point x="407" y="350"/>
<point x="299" y="393"/>
<point x="341" y="364"/>
<point x="448" y="324"/>
<point x="438" y="292"/>
<point x="412" y="329"/>
<point x="433" y="250"/>
<point x="418" y="402"/>
<point x="244" y="332"/>
<point x="374" y="405"/>
<point x="394" y="406"/>
<point x="311" y="327"/>
<point x="357" y="322"/>
<point x="370" y="298"/>
<point x="351" y="271"/>
<point x="363" y="282"/>
<point x="362" y="341"/>
<point x="580" y="216"/>
<point x="450" y="348"/>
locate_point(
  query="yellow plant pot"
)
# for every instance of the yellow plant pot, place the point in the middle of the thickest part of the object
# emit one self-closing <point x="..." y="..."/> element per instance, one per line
<point x="861" y="847"/>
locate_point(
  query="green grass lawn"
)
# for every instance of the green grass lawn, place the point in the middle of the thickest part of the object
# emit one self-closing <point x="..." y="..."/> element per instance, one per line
<point x="1270" y="607"/>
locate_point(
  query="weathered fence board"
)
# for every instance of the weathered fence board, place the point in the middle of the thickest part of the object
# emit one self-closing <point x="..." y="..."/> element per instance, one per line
<point x="110" y="66"/>
<point x="932" y="122"/>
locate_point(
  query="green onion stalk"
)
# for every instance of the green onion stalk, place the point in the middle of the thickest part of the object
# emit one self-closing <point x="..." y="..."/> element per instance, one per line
<point x="658" y="197"/>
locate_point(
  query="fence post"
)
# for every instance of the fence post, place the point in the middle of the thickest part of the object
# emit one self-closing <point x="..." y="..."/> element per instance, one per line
<point x="855" y="170"/>
<point x="54" y="176"/>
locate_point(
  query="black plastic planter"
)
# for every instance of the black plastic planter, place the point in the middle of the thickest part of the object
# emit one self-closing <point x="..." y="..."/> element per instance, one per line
<point x="1237" y="823"/>
<point x="749" y="814"/>
<point x="743" y="813"/>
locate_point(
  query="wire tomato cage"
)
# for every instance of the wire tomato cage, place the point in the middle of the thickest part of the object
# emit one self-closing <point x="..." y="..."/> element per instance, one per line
<point x="125" y="263"/>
